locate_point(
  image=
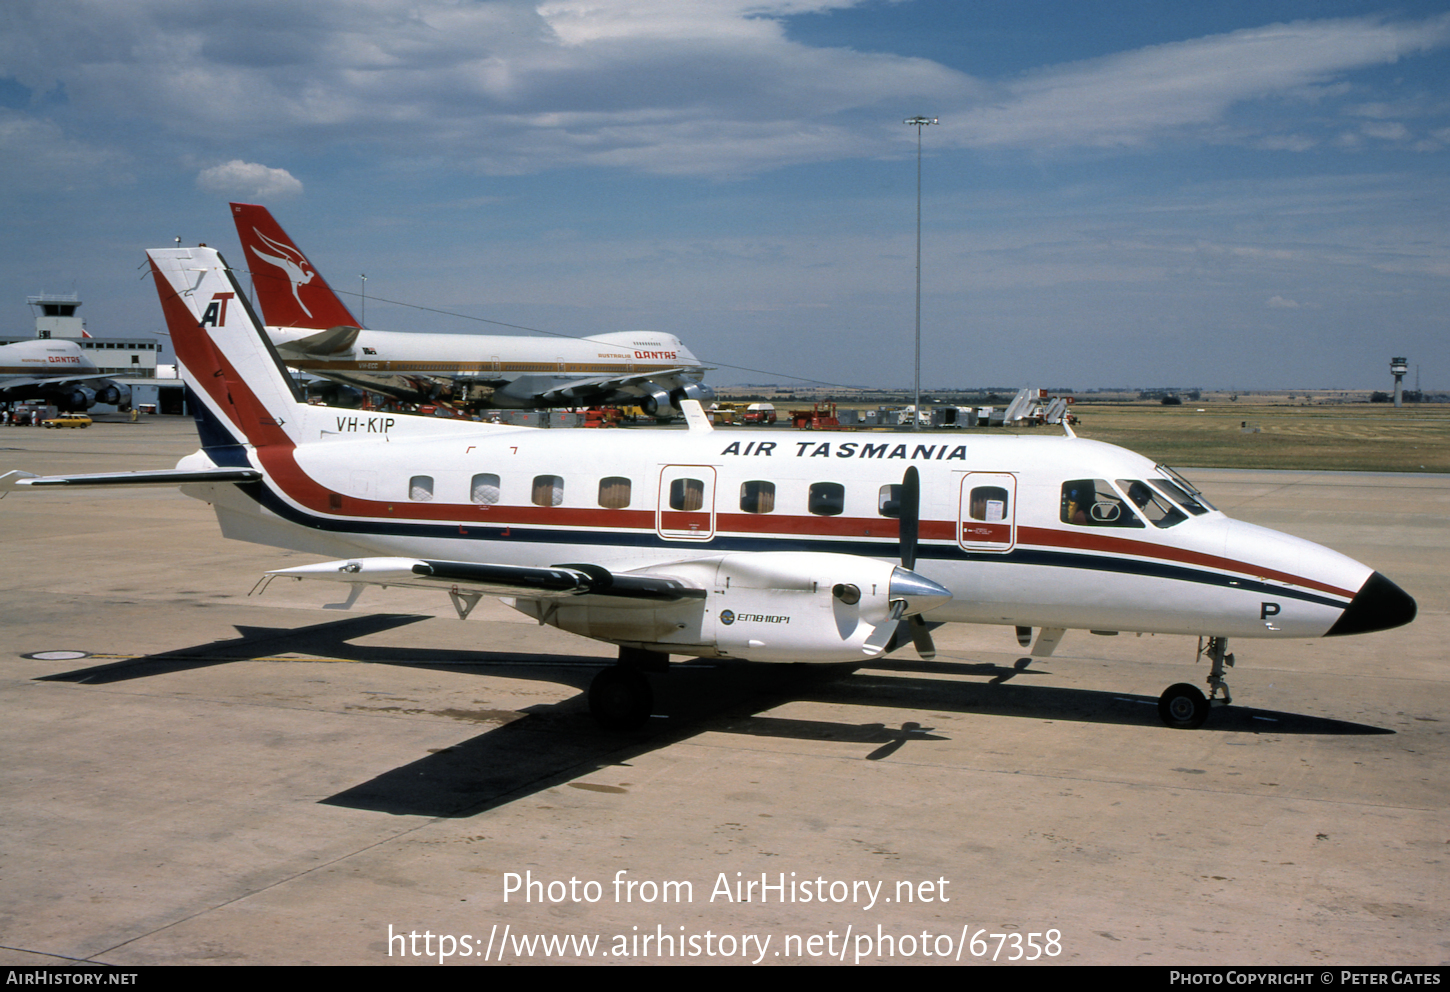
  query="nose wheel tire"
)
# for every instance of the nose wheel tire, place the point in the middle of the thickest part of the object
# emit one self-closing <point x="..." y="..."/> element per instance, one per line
<point x="1183" y="707"/>
<point x="620" y="698"/>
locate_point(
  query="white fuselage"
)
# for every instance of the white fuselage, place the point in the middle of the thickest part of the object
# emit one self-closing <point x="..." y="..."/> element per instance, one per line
<point x="489" y="358"/>
<point x="48" y="358"/>
<point x="995" y="523"/>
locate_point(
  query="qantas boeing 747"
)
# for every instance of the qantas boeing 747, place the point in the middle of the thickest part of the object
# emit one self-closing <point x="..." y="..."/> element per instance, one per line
<point x="315" y="333"/>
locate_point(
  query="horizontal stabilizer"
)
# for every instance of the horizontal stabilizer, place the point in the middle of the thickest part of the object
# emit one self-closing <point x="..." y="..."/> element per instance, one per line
<point x="158" y="477"/>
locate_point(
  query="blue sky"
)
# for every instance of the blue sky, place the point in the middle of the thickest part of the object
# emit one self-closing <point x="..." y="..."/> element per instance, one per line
<point x="1225" y="194"/>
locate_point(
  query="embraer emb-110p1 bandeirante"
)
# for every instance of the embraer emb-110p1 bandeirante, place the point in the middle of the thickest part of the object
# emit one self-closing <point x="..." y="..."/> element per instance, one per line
<point x="315" y="333"/>
<point x="786" y="548"/>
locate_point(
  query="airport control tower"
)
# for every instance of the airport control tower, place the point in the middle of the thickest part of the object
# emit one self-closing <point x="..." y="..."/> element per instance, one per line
<point x="1399" y="367"/>
<point x="55" y="316"/>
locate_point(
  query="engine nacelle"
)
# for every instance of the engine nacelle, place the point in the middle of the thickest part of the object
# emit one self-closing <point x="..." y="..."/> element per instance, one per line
<point x="80" y="398"/>
<point x="656" y="402"/>
<point x="117" y="394"/>
<point x="814" y="607"/>
<point x="692" y="391"/>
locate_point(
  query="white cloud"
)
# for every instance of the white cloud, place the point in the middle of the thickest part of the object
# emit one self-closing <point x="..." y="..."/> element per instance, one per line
<point x="248" y="179"/>
<point x="37" y="154"/>
<point x="1388" y="130"/>
<point x="502" y="85"/>
<point x="707" y="87"/>
<point x="1131" y="98"/>
<point x="1280" y="303"/>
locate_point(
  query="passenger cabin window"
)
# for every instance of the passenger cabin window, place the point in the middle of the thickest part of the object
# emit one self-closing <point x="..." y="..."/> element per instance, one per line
<point x="989" y="504"/>
<point x="757" y="496"/>
<point x="484" y="489"/>
<point x="420" y="488"/>
<point x="1159" y="511"/>
<point x="687" y="494"/>
<point x="827" y="499"/>
<point x="1094" y="503"/>
<point x="548" y="490"/>
<point x="614" y="492"/>
<point x="888" y="503"/>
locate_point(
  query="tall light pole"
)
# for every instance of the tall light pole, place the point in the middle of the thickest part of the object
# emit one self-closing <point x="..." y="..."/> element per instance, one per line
<point x="363" y="316"/>
<point x="919" y="123"/>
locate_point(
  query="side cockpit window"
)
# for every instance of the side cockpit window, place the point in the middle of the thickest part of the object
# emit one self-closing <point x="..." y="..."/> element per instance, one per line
<point x="1094" y="503"/>
<point x="1159" y="511"/>
<point x="1181" y="491"/>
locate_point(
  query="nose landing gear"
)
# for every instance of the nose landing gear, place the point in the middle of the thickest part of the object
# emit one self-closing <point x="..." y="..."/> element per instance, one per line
<point x="1183" y="706"/>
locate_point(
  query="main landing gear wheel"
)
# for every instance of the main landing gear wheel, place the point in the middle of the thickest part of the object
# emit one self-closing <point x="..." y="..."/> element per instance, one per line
<point x="620" y="698"/>
<point x="1183" y="707"/>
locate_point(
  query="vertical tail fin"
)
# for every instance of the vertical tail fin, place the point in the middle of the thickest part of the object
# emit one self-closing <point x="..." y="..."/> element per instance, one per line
<point x="290" y="291"/>
<point x="231" y="368"/>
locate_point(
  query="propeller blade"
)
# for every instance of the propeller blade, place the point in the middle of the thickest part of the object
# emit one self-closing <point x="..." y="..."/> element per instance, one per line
<point x="921" y="637"/>
<point x="910" y="529"/>
<point x="910" y="516"/>
<point x="887" y="635"/>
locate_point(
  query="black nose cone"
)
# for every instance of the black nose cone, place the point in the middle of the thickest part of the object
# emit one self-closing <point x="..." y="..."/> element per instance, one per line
<point x="1379" y="605"/>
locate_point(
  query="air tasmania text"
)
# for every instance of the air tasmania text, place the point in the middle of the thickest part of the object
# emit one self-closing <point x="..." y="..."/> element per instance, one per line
<point x="851" y="449"/>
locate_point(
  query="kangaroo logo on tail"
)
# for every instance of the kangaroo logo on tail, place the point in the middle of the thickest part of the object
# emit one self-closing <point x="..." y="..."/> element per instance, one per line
<point x="299" y="271"/>
<point x="281" y="272"/>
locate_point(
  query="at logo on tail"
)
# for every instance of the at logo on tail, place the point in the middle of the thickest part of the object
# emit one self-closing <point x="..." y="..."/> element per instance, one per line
<point x="216" y="310"/>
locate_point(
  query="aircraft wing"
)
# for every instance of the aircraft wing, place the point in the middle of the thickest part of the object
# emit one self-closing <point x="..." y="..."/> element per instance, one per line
<point x="23" y="382"/>
<point x="570" y="392"/>
<point x="553" y="582"/>
<point x="159" y="477"/>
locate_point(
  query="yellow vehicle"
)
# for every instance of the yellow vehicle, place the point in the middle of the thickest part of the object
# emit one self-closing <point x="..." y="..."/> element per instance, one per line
<point x="69" y="420"/>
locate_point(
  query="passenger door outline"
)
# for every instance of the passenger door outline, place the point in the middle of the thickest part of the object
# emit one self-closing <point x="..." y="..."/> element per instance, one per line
<point x="686" y="524"/>
<point x="991" y="524"/>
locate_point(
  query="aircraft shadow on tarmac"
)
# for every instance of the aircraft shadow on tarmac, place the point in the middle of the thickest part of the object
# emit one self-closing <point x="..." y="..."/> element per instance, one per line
<point x="557" y="744"/>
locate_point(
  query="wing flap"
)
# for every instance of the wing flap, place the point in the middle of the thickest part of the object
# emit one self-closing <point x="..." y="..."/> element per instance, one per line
<point x="483" y="578"/>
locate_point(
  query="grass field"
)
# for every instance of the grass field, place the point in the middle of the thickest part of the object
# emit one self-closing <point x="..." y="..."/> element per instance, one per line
<point x="1358" y="437"/>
